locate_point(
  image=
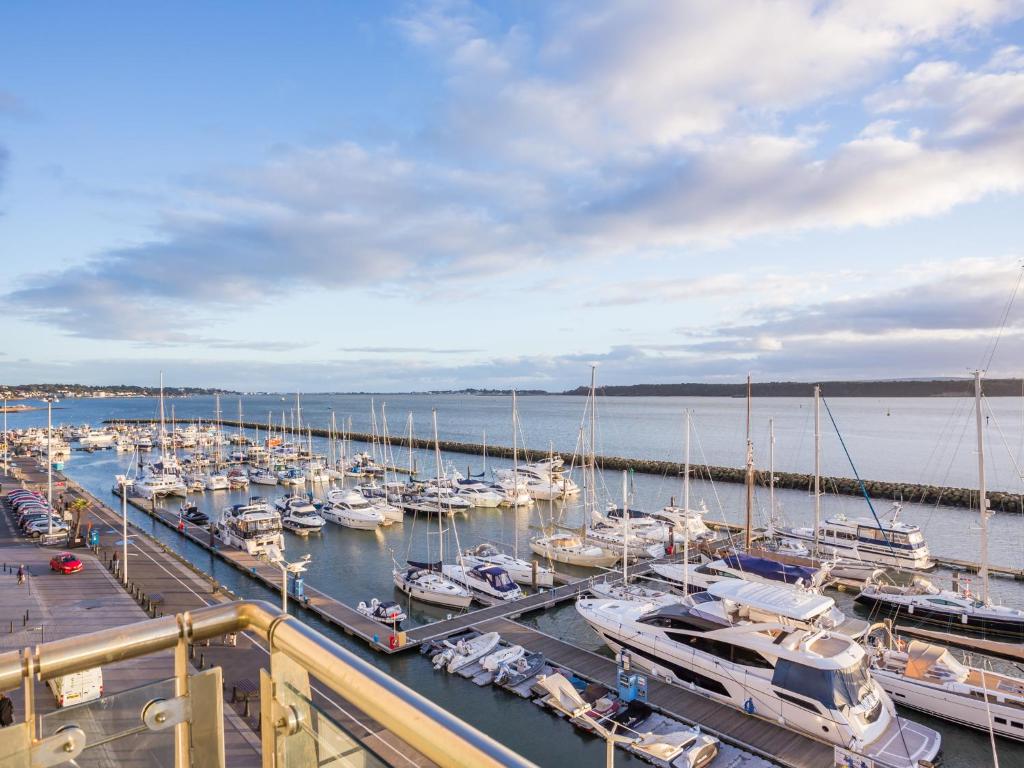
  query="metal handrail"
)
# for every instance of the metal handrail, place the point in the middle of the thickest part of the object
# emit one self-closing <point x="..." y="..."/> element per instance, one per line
<point x="432" y="730"/>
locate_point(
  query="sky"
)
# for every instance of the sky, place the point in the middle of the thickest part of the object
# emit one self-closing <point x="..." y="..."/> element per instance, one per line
<point x="417" y="196"/>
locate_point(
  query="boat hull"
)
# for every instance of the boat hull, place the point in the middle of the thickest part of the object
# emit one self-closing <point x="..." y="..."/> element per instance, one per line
<point x="965" y="622"/>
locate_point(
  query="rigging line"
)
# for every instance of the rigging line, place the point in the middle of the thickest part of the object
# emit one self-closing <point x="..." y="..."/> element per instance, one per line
<point x="1002" y="320"/>
<point x="856" y="474"/>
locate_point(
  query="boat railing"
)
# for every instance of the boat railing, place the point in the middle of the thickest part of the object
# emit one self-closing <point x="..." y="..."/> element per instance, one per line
<point x="180" y="720"/>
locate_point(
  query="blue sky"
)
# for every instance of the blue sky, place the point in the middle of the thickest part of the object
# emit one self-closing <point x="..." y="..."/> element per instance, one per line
<point x="395" y="196"/>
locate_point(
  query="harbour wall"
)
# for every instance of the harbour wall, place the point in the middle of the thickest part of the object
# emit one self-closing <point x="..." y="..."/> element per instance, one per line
<point x="878" y="489"/>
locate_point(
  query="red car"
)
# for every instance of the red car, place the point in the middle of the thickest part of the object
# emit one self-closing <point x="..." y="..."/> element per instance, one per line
<point x="65" y="562"/>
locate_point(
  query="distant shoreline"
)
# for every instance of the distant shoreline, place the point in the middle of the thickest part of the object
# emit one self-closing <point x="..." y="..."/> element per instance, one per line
<point x="947" y="387"/>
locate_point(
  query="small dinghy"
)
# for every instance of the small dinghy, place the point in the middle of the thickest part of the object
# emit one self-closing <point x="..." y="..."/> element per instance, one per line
<point x="504" y="656"/>
<point x="387" y="612"/>
<point x="465" y="652"/>
<point x="679" y="747"/>
<point x="519" y="671"/>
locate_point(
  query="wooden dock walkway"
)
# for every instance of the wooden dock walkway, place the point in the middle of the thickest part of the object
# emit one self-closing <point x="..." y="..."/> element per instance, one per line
<point x="748" y="732"/>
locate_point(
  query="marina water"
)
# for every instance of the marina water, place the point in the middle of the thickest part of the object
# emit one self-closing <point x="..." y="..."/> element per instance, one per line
<point x="913" y="440"/>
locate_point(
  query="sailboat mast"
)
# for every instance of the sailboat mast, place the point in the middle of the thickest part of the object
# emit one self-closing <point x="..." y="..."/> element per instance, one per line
<point x="440" y="507"/>
<point x="982" y="496"/>
<point x="515" y="475"/>
<point x="625" y="534"/>
<point x="749" y="477"/>
<point x="817" y="466"/>
<point x="592" y="459"/>
<point x="686" y="474"/>
<point x="771" y="468"/>
<point x="163" y="443"/>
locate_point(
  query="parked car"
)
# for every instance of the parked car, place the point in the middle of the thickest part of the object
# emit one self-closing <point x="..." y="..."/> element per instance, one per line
<point x="65" y="563"/>
<point x="40" y="527"/>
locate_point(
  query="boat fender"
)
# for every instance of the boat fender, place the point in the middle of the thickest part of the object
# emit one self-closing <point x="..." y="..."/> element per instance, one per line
<point x="963" y="618"/>
<point x="748" y="706"/>
<point x="910" y="609"/>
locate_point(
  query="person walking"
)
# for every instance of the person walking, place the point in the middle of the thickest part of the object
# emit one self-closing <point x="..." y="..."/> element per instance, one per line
<point x="21" y="574"/>
<point x="6" y="710"/>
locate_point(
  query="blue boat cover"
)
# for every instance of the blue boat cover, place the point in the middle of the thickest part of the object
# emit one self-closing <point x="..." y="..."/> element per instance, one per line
<point x="770" y="569"/>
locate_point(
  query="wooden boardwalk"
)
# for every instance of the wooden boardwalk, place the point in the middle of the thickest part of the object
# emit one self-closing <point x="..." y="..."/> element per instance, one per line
<point x="747" y="732"/>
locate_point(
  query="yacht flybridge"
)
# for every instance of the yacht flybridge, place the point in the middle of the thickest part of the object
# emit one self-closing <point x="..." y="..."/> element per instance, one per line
<point x="812" y="680"/>
<point x="251" y="527"/>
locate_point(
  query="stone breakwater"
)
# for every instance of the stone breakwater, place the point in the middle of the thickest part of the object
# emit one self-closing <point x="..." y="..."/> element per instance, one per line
<point x="848" y="486"/>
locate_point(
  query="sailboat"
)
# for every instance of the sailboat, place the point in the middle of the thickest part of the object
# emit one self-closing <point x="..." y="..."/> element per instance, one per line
<point x="425" y="581"/>
<point x="572" y="548"/>
<point x="928" y="678"/>
<point x="957" y="608"/>
<point x="624" y="590"/>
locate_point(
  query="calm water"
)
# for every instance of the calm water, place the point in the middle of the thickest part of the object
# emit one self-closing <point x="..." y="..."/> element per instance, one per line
<point x="356" y="565"/>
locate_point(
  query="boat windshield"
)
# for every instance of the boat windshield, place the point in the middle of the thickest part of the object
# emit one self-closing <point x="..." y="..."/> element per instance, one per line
<point x="834" y="688"/>
<point x="501" y="581"/>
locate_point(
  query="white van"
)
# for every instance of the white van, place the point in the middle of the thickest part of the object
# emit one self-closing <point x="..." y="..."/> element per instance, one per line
<point x="78" y="687"/>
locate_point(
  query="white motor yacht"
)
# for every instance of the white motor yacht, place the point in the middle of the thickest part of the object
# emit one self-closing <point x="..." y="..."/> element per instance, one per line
<point x="350" y="509"/>
<point x="299" y="515"/>
<point x="378" y="498"/>
<point x="478" y="494"/>
<point x="217" y="481"/>
<point x="252" y="527"/>
<point x="489" y="580"/>
<point x="894" y="543"/>
<point x="814" y="681"/>
<point x="528" y="572"/>
<point x="424" y="582"/>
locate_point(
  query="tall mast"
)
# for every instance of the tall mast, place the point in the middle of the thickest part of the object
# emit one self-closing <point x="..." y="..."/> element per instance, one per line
<point x="817" y="466"/>
<point x="686" y="474"/>
<point x="515" y="476"/>
<point x="982" y="497"/>
<point x="440" y="507"/>
<point x="163" y="445"/>
<point x="749" y="477"/>
<point x="771" y="469"/>
<point x="298" y="415"/>
<point x="625" y="534"/>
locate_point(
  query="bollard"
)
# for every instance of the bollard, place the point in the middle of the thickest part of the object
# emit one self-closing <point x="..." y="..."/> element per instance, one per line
<point x="202" y="661"/>
<point x="12" y="627"/>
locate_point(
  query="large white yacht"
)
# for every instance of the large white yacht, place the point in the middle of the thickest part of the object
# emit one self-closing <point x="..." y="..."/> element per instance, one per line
<point x="253" y="527"/>
<point x="894" y="543"/>
<point x="350" y="509"/>
<point x="808" y="680"/>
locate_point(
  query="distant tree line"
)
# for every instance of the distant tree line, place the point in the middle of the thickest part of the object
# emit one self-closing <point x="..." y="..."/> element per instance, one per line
<point x="892" y="388"/>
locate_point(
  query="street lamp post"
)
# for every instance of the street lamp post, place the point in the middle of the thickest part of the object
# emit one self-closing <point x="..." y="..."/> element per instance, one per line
<point x="295" y="569"/>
